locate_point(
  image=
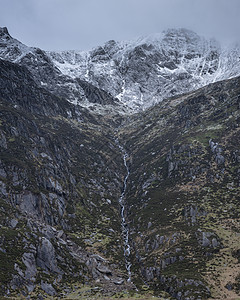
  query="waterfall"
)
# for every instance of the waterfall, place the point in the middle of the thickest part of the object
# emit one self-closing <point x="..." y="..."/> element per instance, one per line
<point x="125" y="229"/>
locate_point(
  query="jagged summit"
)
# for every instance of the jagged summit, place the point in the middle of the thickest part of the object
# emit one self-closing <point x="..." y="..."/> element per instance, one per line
<point x="4" y="31"/>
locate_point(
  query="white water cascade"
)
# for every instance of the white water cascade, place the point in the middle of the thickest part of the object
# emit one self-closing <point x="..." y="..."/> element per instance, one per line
<point x="125" y="229"/>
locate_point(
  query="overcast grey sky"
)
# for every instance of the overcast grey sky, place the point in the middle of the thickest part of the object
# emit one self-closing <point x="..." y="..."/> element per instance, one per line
<point x="83" y="24"/>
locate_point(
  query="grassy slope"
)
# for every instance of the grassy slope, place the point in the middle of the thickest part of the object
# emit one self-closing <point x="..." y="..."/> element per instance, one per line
<point x="178" y="131"/>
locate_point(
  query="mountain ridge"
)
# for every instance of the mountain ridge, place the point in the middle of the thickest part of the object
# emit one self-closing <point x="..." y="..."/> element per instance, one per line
<point x="136" y="74"/>
<point x="160" y="60"/>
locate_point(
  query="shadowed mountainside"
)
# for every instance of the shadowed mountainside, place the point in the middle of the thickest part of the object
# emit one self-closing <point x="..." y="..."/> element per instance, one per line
<point x="62" y="173"/>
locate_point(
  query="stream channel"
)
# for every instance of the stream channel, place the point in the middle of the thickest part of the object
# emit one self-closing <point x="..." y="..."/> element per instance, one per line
<point x="124" y="224"/>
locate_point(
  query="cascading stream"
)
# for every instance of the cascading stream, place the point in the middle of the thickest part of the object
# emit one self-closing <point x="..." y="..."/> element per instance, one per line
<point x="125" y="229"/>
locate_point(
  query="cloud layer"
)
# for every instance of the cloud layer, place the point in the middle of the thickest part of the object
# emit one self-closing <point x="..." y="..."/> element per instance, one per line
<point x="83" y="24"/>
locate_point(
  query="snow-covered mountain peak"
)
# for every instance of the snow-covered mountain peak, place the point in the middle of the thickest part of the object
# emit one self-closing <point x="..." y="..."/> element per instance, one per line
<point x="148" y="69"/>
<point x="11" y="49"/>
<point x="168" y="36"/>
<point x="181" y="33"/>
<point x="4" y="34"/>
<point x="139" y="73"/>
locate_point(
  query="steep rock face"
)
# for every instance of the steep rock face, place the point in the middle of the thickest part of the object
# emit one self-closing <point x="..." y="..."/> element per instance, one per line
<point x="19" y="88"/>
<point x="59" y="189"/>
<point x="145" y="71"/>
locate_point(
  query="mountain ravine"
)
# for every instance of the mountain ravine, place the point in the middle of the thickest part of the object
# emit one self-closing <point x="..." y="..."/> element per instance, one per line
<point x="120" y="170"/>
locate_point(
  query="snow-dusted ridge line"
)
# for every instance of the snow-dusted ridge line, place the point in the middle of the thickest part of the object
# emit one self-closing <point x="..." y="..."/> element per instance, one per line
<point x="139" y="73"/>
<point x="144" y="71"/>
<point x="48" y="75"/>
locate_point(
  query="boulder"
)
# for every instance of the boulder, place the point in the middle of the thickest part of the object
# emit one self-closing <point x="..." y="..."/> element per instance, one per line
<point x="103" y="269"/>
<point x="46" y="257"/>
<point x="30" y="263"/>
<point x="48" y="288"/>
